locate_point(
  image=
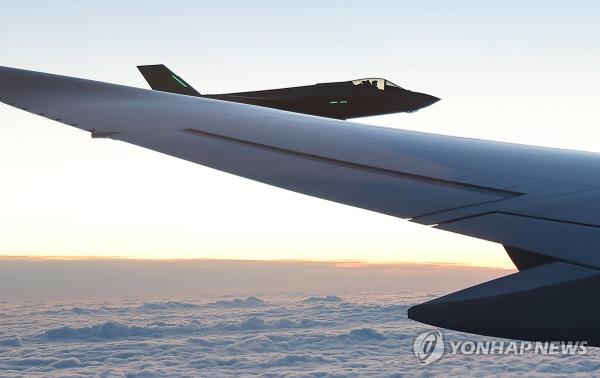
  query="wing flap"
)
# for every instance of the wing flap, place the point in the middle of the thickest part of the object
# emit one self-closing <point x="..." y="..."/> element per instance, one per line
<point x="560" y="240"/>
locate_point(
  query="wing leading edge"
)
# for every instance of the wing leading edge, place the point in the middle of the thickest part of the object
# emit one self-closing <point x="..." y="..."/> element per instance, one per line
<point x="541" y="202"/>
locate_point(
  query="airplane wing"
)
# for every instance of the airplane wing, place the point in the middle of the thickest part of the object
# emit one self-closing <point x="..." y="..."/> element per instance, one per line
<point x="542" y="204"/>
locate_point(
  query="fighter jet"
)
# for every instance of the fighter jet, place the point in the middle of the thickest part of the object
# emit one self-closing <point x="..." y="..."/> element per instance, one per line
<point x="339" y="100"/>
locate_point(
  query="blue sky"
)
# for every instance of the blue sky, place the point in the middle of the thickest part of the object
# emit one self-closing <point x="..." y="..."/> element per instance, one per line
<point x="525" y="72"/>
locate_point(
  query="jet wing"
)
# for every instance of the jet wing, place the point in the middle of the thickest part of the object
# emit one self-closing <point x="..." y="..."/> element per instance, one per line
<point x="542" y="204"/>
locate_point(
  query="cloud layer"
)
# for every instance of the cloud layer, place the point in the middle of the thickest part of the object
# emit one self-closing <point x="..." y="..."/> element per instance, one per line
<point x="277" y="334"/>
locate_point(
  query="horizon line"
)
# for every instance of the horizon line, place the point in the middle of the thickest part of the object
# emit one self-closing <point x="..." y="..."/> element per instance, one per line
<point x="337" y="263"/>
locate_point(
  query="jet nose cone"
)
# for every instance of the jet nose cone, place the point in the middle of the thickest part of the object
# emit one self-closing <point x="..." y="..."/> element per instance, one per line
<point x="423" y="100"/>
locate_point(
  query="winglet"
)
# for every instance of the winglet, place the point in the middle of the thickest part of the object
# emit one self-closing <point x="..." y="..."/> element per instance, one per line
<point x="163" y="79"/>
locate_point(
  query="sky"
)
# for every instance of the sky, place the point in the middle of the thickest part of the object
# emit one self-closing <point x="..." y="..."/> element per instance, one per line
<point x="524" y="72"/>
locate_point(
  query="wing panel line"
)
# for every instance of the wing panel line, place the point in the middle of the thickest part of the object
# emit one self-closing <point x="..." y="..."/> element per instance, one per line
<point x="430" y="180"/>
<point x="517" y="215"/>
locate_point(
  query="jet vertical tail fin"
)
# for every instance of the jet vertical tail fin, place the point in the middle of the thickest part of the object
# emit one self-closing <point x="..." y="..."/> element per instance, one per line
<point x="163" y="79"/>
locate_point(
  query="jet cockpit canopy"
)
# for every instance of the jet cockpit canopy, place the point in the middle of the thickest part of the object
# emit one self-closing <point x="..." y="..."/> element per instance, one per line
<point x="378" y="83"/>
